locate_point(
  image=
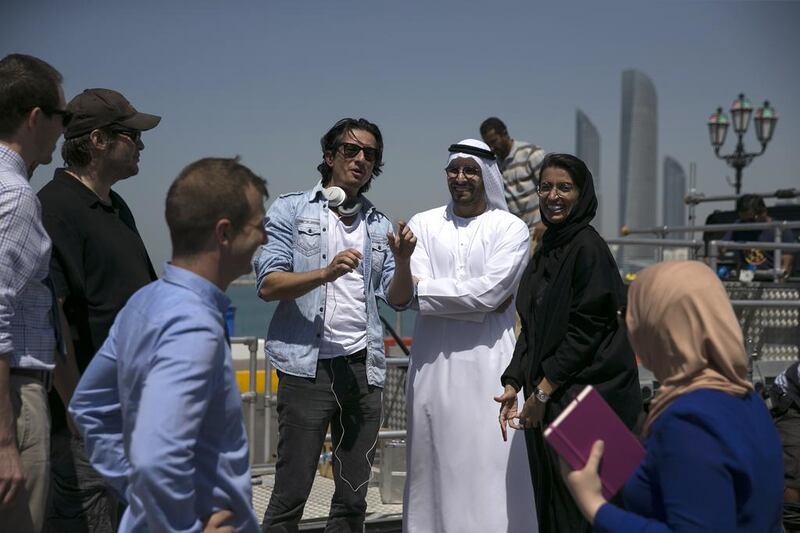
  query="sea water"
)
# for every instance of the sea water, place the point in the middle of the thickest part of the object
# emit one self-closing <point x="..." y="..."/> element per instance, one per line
<point x="253" y="314"/>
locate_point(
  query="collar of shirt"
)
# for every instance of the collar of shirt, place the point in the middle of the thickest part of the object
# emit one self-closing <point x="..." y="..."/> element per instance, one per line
<point x="315" y="194"/>
<point x="68" y="179"/>
<point x="511" y="153"/>
<point x="189" y="280"/>
<point x="11" y="160"/>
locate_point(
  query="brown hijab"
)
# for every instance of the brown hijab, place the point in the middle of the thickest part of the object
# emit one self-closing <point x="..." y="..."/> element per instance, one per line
<point x="682" y="326"/>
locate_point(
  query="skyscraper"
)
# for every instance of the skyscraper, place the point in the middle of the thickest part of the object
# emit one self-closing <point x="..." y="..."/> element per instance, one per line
<point x="638" y="161"/>
<point x="587" y="148"/>
<point x="674" y="192"/>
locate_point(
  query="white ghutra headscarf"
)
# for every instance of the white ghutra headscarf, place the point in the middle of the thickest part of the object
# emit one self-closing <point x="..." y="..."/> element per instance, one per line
<point x="480" y="152"/>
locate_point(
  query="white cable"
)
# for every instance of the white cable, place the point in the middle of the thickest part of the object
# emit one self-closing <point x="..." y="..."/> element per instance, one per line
<point x="335" y="397"/>
<point x="341" y="424"/>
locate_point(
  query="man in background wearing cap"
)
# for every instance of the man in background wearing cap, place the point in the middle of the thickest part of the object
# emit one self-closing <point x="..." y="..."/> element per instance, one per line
<point x="32" y="118"/>
<point x="469" y="258"/>
<point x="98" y="262"/>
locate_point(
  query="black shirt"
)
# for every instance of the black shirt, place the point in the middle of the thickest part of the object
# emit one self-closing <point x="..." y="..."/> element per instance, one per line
<point x="98" y="259"/>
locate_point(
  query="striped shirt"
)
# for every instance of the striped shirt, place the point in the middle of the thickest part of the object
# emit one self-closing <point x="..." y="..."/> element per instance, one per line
<point x="26" y="324"/>
<point x="521" y="174"/>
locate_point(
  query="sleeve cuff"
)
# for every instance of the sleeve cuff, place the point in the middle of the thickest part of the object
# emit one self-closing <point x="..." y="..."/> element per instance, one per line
<point x="553" y="374"/>
<point x="609" y="518"/>
<point x="508" y="380"/>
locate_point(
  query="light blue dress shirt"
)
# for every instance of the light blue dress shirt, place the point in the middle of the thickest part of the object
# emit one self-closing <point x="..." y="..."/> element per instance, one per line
<point x="297" y="241"/>
<point x="161" y="413"/>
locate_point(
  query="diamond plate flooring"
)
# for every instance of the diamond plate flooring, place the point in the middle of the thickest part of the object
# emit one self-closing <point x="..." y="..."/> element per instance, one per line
<point x="320" y="499"/>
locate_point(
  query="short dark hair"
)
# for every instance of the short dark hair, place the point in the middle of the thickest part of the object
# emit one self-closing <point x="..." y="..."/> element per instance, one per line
<point x="570" y="164"/>
<point x="75" y="151"/>
<point x="204" y="192"/>
<point x="331" y="141"/>
<point x="493" y="123"/>
<point x="26" y="82"/>
<point x="750" y="202"/>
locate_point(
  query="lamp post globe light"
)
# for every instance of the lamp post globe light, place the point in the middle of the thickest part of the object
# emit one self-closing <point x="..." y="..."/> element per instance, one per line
<point x="741" y="111"/>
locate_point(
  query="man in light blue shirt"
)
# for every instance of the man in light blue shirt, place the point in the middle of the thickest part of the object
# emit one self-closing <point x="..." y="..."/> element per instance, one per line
<point x="158" y="406"/>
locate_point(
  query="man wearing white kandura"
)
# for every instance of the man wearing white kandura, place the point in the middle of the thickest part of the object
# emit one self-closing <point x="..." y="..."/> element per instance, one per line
<point x="469" y="257"/>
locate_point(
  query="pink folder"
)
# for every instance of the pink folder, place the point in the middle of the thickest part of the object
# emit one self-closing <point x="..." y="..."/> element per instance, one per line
<point x="588" y="419"/>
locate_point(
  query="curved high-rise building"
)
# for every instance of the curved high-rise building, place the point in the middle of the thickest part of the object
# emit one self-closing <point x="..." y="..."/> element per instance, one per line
<point x="638" y="164"/>
<point x="674" y="192"/>
<point x="587" y="148"/>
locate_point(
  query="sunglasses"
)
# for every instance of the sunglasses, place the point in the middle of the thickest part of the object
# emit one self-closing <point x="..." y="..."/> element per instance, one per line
<point x="135" y="136"/>
<point x="351" y="150"/>
<point x="65" y="115"/>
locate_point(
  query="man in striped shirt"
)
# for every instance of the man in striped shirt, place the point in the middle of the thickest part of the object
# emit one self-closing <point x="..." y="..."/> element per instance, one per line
<point x="519" y="162"/>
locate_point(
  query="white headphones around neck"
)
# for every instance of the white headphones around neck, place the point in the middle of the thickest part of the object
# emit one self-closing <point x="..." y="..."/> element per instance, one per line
<point x="338" y="198"/>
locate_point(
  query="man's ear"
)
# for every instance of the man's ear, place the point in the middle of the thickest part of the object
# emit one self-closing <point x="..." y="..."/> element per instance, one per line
<point x="34" y="118"/>
<point x="100" y="140"/>
<point x="223" y="231"/>
<point x="328" y="158"/>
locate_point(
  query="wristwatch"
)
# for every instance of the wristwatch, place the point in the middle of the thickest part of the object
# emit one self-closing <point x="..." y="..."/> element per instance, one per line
<point x="541" y="395"/>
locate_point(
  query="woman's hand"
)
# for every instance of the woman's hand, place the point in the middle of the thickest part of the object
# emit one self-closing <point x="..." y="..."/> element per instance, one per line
<point x="532" y="413"/>
<point x="585" y="485"/>
<point x="508" y="409"/>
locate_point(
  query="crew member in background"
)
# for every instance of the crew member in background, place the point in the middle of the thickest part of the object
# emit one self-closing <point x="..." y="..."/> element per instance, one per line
<point x="751" y="208"/>
<point x="520" y="162"/>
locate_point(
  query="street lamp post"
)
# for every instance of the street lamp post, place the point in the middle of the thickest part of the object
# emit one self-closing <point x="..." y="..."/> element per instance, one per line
<point x="718" y="123"/>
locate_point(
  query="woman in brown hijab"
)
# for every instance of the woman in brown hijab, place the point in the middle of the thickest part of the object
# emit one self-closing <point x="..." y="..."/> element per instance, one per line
<point x="713" y="458"/>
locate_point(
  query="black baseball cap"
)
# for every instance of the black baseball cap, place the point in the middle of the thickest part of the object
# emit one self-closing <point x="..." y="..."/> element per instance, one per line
<point x="97" y="108"/>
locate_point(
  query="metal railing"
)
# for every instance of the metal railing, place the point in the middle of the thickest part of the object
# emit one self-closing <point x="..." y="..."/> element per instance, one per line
<point x="715" y="247"/>
<point x="778" y="248"/>
<point x="693" y="199"/>
<point x="250" y="397"/>
<point x="778" y="225"/>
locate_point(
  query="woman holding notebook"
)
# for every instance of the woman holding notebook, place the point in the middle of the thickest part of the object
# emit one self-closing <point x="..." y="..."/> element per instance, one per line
<point x="567" y="302"/>
<point x="713" y="460"/>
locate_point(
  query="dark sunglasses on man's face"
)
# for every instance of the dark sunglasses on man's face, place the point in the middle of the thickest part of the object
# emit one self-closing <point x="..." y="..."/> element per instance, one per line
<point x="351" y="150"/>
<point x="135" y="136"/>
<point x="65" y="115"/>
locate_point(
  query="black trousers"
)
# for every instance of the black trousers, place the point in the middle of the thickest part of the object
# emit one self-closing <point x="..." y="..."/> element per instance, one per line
<point x="80" y="501"/>
<point x="339" y="395"/>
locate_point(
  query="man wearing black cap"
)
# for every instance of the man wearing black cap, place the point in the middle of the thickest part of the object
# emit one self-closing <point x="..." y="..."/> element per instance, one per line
<point x="98" y="262"/>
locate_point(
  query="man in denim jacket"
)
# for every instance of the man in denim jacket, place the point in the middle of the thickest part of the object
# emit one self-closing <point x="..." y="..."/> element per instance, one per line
<point x="330" y="255"/>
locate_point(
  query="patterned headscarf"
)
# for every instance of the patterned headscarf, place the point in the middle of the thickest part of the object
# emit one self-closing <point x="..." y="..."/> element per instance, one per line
<point x="492" y="178"/>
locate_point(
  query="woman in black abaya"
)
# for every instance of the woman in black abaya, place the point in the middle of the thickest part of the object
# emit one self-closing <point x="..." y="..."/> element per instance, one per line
<point x="567" y="302"/>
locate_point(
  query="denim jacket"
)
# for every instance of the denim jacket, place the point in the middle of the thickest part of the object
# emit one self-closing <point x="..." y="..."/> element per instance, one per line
<point x="297" y="242"/>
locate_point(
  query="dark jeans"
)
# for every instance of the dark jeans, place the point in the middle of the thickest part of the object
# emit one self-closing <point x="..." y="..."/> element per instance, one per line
<point x="341" y="397"/>
<point x="80" y="501"/>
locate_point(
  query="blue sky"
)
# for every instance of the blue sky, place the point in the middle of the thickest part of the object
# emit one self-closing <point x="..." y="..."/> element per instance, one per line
<point x="265" y="80"/>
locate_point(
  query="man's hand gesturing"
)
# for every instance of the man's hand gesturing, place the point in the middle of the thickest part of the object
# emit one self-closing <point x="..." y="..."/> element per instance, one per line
<point x="345" y="262"/>
<point x="402" y="242"/>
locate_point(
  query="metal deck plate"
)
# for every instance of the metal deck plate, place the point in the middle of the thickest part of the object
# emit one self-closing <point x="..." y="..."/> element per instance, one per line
<point x="319" y="501"/>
